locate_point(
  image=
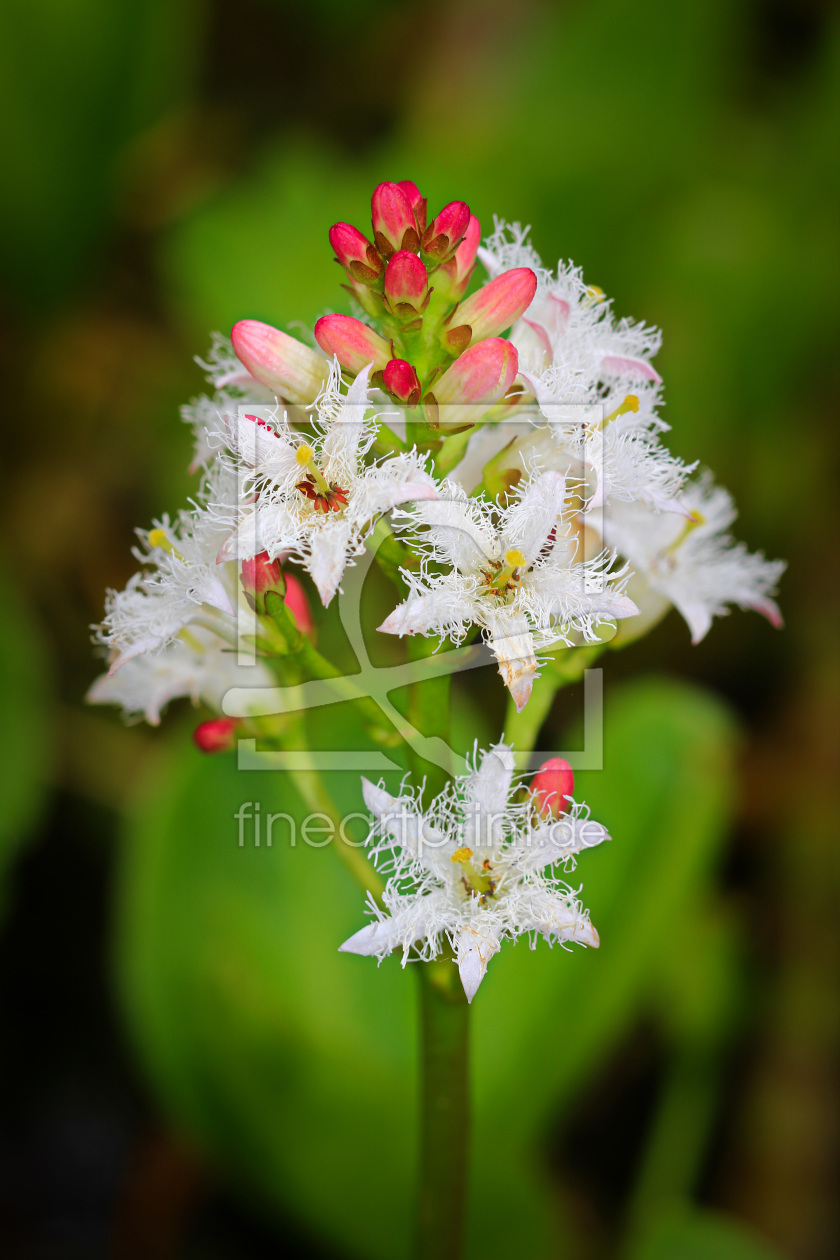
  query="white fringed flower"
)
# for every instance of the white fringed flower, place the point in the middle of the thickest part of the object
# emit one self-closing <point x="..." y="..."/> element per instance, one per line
<point x="473" y="870"/>
<point x="180" y="584"/>
<point x="199" y="665"/>
<point x="570" y="324"/>
<point x="691" y="560"/>
<point x="513" y="571"/>
<point x="316" y="501"/>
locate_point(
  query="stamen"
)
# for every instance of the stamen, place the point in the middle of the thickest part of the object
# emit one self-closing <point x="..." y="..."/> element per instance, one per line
<point x="631" y="403"/>
<point x="158" y="538"/>
<point x="477" y="883"/>
<point x="305" y="456"/>
<point x="696" y="518"/>
<point x="462" y="855"/>
<point x="509" y="572"/>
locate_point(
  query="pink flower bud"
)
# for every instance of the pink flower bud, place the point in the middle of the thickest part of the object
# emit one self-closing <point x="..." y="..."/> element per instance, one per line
<point x="551" y="785"/>
<point x="406" y="285"/>
<point x="393" y="220"/>
<point x="217" y="735"/>
<point x="298" y="604"/>
<point x="354" y="344"/>
<point x="357" y="256"/>
<point x="445" y="233"/>
<point x="402" y="383"/>
<point x="259" y="576"/>
<point x="454" y="275"/>
<point x="493" y="308"/>
<point x="473" y="384"/>
<point x="297" y="373"/>
<point x="417" y="202"/>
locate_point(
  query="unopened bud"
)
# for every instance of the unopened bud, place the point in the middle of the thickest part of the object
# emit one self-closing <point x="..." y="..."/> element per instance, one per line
<point x="406" y="285"/>
<point x="454" y="275"/>
<point x="358" y="257"/>
<point x="416" y="201"/>
<point x="298" y="604"/>
<point x="352" y="342"/>
<point x="475" y="381"/>
<point x="445" y="233"/>
<point x="297" y="373"/>
<point x="217" y="735"/>
<point x="402" y="383"/>
<point x="259" y="576"/>
<point x="553" y="783"/>
<point x="393" y="220"/>
<point x="492" y="309"/>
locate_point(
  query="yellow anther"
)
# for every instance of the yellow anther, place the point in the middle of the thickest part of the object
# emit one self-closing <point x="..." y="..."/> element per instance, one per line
<point x="595" y="292"/>
<point x="514" y="558"/>
<point x="461" y="856"/>
<point x="158" y="538"/>
<point x="304" y="455"/>
<point x="631" y="403"/>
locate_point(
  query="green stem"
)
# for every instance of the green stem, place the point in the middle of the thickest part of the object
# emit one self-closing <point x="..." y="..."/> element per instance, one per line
<point x="429" y="712"/>
<point x="444" y="1112"/>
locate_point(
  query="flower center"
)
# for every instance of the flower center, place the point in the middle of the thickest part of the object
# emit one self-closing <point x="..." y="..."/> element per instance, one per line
<point x="326" y="495"/>
<point x="503" y="576"/>
<point x="476" y="883"/>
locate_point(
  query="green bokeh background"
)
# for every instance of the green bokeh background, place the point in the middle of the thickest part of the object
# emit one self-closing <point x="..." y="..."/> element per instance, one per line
<point x="188" y="1067"/>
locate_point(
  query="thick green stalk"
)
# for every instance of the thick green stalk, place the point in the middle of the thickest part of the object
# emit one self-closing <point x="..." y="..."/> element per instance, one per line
<point x="444" y="1112"/>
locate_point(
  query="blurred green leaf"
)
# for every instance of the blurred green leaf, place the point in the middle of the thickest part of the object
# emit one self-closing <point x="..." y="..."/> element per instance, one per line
<point x="76" y="81"/>
<point x="690" y="1235"/>
<point x="25" y="738"/>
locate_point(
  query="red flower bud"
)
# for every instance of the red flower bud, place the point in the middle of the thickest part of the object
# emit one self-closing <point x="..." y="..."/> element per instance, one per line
<point x="357" y="256"/>
<point x="402" y="383"/>
<point x="298" y="604"/>
<point x="259" y="576"/>
<point x="551" y="785"/>
<point x="445" y="233"/>
<point x="217" y="735"/>
<point x="473" y="384"/>
<point x="297" y="373"/>
<point x="454" y="275"/>
<point x="393" y="220"/>
<point x="417" y="202"/>
<point x="492" y="308"/>
<point x="406" y="285"/>
<point x="354" y="344"/>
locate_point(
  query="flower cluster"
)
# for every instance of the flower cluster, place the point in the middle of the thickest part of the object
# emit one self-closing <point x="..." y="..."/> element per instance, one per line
<point x="476" y="867"/>
<point x="510" y="432"/>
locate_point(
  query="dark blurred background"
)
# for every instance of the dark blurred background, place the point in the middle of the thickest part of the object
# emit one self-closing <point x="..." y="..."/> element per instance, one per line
<point x="171" y="166"/>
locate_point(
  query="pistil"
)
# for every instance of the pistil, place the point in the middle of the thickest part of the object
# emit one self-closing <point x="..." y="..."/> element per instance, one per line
<point x="631" y="403"/>
<point x="476" y="883"/>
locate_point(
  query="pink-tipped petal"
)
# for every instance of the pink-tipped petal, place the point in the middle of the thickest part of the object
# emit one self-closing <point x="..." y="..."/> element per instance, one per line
<point x="352" y="342"/>
<point x="615" y="365"/>
<point x="496" y="306"/>
<point x="297" y="373"/>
